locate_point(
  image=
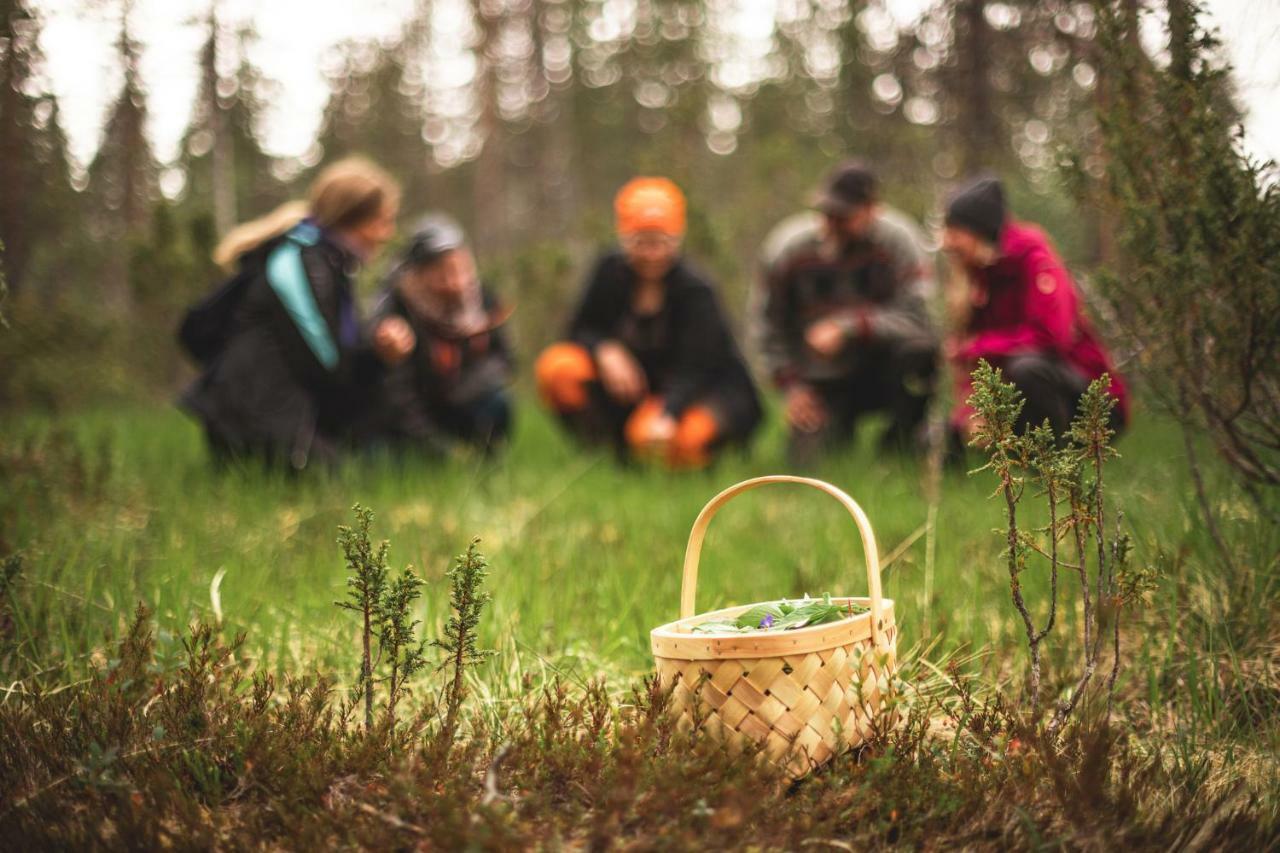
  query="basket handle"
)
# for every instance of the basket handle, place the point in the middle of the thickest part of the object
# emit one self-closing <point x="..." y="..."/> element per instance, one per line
<point x="693" y="552"/>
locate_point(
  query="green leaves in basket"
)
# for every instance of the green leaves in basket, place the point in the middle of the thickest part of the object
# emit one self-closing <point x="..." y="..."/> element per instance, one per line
<point x="782" y="616"/>
<point x="813" y="613"/>
<point x="721" y="627"/>
<point x="760" y="616"/>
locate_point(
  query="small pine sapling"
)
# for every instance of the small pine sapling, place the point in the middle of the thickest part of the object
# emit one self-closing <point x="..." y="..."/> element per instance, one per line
<point x="467" y="601"/>
<point x="385" y="607"/>
<point x="1067" y="471"/>
<point x="397" y="638"/>
<point x="998" y="405"/>
<point x="366" y="583"/>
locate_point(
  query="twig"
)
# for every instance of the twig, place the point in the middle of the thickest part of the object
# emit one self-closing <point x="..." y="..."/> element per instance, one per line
<point x="930" y="552"/>
<point x="1210" y="518"/>
<point x="1015" y="586"/>
<point x="1053" y="559"/>
<point x="1066" y="707"/>
<point x="491" y="792"/>
<point x="1043" y="553"/>
<point x="901" y="547"/>
<point x="1115" y="634"/>
<point x="69" y="594"/>
<point x="388" y="818"/>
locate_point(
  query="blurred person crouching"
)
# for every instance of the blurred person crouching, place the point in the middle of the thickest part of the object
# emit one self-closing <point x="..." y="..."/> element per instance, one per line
<point x="287" y="376"/>
<point x="1013" y="303"/>
<point x="841" y="318"/>
<point x="453" y="388"/>
<point x="650" y="364"/>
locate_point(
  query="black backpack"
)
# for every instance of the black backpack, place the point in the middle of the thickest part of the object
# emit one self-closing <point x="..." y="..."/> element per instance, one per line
<point x="206" y="327"/>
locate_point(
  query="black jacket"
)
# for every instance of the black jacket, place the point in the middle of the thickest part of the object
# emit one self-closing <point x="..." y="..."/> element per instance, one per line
<point x="443" y="373"/>
<point x="687" y="350"/>
<point x="264" y="392"/>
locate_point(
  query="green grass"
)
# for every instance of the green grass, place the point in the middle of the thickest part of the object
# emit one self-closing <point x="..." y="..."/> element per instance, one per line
<point x="118" y="506"/>
<point x="586" y="555"/>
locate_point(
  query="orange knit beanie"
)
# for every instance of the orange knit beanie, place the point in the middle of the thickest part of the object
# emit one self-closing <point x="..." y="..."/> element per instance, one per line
<point x="650" y="204"/>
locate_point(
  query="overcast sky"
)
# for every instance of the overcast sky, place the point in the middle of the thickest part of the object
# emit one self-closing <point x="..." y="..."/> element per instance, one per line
<point x="295" y="36"/>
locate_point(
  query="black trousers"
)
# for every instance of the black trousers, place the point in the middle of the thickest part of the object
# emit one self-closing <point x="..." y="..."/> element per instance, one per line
<point x="898" y="380"/>
<point x="1051" y="389"/>
<point x="484" y="422"/>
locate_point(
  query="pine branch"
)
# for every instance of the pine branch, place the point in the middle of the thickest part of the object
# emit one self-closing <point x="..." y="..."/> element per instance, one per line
<point x="1068" y="469"/>
<point x="388" y="637"/>
<point x="467" y="601"/>
<point x="997" y="405"/>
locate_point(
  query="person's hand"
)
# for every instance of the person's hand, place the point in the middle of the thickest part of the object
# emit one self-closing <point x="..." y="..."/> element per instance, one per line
<point x="954" y="346"/>
<point x="805" y="410"/>
<point x="661" y="430"/>
<point x="620" y="373"/>
<point x="826" y="337"/>
<point x="393" y="340"/>
<point x="957" y="297"/>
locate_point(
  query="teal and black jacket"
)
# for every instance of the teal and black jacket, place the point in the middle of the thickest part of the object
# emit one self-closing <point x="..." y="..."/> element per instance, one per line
<point x="289" y="376"/>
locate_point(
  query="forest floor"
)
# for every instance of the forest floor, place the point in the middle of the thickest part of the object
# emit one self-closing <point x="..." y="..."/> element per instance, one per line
<point x="564" y="744"/>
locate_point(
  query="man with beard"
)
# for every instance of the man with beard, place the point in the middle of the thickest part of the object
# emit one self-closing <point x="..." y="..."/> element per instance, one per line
<point x="453" y="388"/>
<point x="842" y="320"/>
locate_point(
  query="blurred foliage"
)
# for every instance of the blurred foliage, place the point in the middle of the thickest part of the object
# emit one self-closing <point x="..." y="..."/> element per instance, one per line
<point x="4" y="292"/>
<point x="225" y="172"/>
<point x="568" y="99"/>
<point x="66" y="355"/>
<point x="1196" y="285"/>
<point x="33" y="161"/>
<point x="541" y="281"/>
<point x="69" y="352"/>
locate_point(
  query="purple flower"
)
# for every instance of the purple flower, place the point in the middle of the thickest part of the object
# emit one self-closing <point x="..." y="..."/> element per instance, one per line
<point x="767" y="621"/>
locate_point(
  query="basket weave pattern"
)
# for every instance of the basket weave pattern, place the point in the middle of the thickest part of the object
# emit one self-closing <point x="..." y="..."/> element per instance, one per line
<point x="803" y="708"/>
<point x="802" y="695"/>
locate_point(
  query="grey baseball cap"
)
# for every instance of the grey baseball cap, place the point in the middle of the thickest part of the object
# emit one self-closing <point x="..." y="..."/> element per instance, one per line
<point x="433" y="235"/>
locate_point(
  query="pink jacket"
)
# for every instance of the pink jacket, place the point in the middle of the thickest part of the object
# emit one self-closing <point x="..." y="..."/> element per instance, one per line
<point x="1026" y="302"/>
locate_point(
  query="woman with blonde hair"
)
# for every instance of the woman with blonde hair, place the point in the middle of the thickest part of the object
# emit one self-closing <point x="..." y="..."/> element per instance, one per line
<point x="288" y="375"/>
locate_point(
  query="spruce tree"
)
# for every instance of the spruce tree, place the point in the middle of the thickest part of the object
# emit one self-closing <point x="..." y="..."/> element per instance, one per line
<point x="33" y="164"/>
<point x="123" y="177"/>
<point x="229" y="176"/>
<point x="375" y="110"/>
<point x="1196" y="287"/>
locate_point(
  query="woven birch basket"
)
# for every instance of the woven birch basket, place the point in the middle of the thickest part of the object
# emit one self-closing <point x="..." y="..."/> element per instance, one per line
<point x="803" y="694"/>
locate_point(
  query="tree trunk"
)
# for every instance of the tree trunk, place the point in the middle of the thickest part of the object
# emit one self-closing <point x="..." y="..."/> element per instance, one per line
<point x="16" y="146"/>
<point x="488" y="199"/>
<point x="557" y="188"/>
<point x="976" y="123"/>
<point x="222" y="157"/>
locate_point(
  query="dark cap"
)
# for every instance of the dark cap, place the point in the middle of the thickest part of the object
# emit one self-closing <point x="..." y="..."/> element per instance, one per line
<point x="850" y="185"/>
<point x="979" y="207"/>
<point x="433" y="235"/>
